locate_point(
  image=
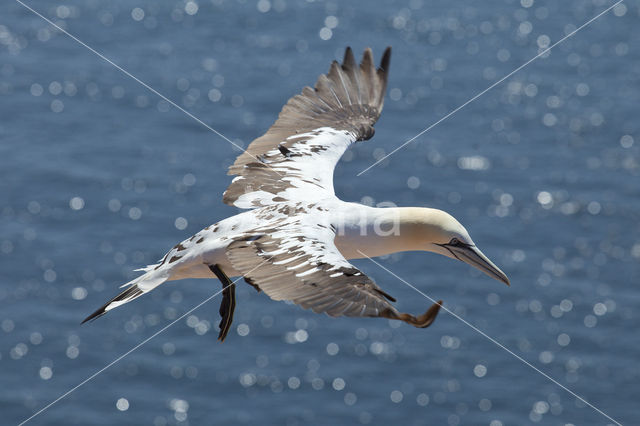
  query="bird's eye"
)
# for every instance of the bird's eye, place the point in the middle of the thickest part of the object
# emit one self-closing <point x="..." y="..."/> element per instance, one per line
<point x="454" y="242"/>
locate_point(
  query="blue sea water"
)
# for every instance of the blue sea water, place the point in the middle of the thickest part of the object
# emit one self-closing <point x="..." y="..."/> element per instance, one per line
<point x="99" y="176"/>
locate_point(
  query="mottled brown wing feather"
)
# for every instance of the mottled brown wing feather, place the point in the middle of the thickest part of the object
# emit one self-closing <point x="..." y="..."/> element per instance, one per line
<point x="348" y="98"/>
<point x="299" y="274"/>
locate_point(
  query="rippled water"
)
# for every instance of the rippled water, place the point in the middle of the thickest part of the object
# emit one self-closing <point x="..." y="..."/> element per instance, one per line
<point x="100" y="176"/>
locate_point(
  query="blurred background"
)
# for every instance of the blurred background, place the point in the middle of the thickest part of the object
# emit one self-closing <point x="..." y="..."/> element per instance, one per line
<point x="99" y="176"/>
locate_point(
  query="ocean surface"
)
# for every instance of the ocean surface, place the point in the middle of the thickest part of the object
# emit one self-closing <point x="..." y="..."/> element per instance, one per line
<point x="100" y="176"/>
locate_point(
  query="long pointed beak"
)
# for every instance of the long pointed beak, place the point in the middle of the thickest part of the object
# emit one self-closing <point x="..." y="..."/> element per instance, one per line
<point x="474" y="257"/>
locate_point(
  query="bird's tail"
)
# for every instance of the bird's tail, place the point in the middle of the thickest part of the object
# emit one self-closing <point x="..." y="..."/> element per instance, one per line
<point x="135" y="288"/>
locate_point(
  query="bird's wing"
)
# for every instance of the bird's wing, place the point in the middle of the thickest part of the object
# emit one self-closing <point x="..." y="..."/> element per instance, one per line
<point x="296" y="157"/>
<point x="295" y="259"/>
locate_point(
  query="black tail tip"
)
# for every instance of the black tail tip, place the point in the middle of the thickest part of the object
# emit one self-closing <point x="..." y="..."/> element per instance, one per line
<point x="100" y="312"/>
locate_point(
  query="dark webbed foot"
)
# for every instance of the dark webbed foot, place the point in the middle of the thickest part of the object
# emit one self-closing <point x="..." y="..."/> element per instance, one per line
<point x="228" y="304"/>
<point x="422" y="321"/>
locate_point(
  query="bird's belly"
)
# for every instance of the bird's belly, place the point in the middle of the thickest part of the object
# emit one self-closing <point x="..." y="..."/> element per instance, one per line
<point x="198" y="267"/>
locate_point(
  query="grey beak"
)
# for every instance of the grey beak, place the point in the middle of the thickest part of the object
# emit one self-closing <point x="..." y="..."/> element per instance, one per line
<point x="474" y="257"/>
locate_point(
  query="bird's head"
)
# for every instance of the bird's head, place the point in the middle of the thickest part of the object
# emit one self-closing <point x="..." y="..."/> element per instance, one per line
<point x="439" y="232"/>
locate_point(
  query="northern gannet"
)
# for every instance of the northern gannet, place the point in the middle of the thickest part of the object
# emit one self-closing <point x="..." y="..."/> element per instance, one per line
<point x="296" y="237"/>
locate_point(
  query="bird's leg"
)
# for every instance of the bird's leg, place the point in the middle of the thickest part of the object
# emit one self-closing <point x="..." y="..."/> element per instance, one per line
<point x="422" y="321"/>
<point x="228" y="304"/>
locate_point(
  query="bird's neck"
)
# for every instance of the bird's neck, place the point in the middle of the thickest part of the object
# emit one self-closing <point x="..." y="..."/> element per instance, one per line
<point x="363" y="231"/>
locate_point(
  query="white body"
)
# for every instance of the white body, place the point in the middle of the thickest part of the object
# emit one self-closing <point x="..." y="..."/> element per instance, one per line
<point x="360" y="228"/>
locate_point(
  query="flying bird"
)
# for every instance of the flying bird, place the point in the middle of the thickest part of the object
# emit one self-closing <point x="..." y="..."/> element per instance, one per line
<point x="295" y="239"/>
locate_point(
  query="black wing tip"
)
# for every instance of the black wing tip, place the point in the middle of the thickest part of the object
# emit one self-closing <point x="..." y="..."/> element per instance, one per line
<point x="367" y="59"/>
<point x="386" y="59"/>
<point x="384" y="63"/>
<point x="385" y="294"/>
<point x="348" y="55"/>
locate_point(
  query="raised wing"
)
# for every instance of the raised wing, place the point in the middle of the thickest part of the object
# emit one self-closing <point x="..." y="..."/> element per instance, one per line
<point x="296" y="157"/>
<point x="307" y="269"/>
